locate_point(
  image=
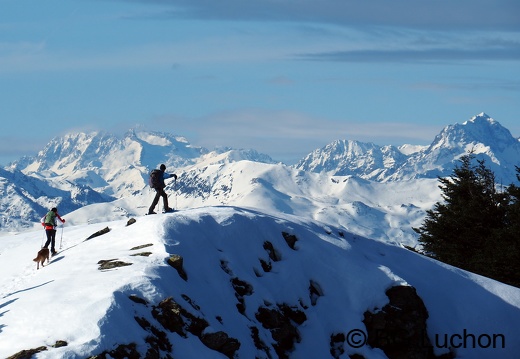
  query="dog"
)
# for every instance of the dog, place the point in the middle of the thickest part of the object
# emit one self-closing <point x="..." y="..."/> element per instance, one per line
<point x="42" y="255"/>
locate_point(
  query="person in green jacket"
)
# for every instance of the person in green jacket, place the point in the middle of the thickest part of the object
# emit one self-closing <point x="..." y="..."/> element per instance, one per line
<point x="50" y="224"/>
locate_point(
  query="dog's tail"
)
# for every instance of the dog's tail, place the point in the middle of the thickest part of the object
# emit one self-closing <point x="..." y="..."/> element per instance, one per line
<point x="35" y="259"/>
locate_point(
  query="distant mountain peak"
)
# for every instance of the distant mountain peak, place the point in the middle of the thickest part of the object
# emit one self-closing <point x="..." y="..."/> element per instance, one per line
<point x="481" y="134"/>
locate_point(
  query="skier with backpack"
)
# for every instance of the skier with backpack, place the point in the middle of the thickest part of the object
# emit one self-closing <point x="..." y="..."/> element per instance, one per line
<point x="156" y="181"/>
<point x="49" y="223"/>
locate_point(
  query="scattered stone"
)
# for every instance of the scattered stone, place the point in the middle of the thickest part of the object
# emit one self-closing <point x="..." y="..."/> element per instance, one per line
<point x="123" y="351"/>
<point x="60" y="343"/>
<point x="168" y="314"/>
<point x="272" y="252"/>
<point x="337" y="345"/>
<point x="281" y="323"/>
<point x="399" y="328"/>
<point x="290" y="239"/>
<point x="315" y="292"/>
<point x="221" y="342"/>
<point x="176" y="261"/>
<point x="142" y="254"/>
<point x="27" y="354"/>
<point x="111" y="264"/>
<point x="134" y="298"/>
<point x="173" y="317"/>
<point x="130" y="221"/>
<point x="141" y="246"/>
<point x="242" y="288"/>
<point x="190" y="301"/>
<point x="158" y="339"/>
<point x="259" y="343"/>
<point x="99" y="233"/>
<point x="266" y="266"/>
<point x="225" y="267"/>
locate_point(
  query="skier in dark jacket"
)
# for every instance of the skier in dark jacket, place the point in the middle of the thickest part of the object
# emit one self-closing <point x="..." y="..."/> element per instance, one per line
<point x="50" y="224"/>
<point x="159" y="189"/>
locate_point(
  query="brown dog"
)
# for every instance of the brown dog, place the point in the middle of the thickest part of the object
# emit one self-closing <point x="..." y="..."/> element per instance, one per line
<point x="43" y="254"/>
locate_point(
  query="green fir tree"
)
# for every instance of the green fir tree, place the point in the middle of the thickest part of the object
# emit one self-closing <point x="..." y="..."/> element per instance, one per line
<point x="476" y="227"/>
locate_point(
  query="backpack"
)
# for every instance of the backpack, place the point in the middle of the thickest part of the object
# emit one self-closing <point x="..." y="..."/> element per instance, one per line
<point x="49" y="218"/>
<point x="156" y="179"/>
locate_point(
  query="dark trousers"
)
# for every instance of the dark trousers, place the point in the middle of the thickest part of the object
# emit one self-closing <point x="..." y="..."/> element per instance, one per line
<point x="159" y="193"/>
<point x="51" y="238"/>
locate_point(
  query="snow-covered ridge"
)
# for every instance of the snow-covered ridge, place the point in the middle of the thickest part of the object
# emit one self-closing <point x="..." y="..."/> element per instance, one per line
<point x="362" y="186"/>
<point x="238" y="267"/>
<point x="481" y="135"/>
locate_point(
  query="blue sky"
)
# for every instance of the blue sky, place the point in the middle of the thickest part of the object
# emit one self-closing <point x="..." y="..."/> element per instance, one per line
<point x="281" y="76"/>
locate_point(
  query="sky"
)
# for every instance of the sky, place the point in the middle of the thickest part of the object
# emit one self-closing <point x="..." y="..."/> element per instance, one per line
<point x="283" y="77"/>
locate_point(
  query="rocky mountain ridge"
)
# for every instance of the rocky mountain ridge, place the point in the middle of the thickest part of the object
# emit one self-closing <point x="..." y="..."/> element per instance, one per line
<point x="81" y="169"/>
<point x="481" y="135"/>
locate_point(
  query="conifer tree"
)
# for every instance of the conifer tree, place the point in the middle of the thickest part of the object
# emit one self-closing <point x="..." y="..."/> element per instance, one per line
<point x="476" y="227"/>
<point x="505" y="262"/>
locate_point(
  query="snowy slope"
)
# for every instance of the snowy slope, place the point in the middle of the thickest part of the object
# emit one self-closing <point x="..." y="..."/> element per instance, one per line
<point x="85" y="168"/>
<point x="383" y="211"/>
<point x="72" y="300"/>
<point x="24" y="199"/>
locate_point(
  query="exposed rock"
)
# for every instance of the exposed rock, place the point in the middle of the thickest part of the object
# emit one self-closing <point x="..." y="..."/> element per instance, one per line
<point x="157" y="340"/>
<point x="130" y="221"/>
<point x="274" y="256"/>
<point x="290" y="239"/>
<point x="242" y="288"/>
<point x="315" y="292"/>
<point x="168" y="314"/>
<point x="111" y="264"/>
<point x="27" y="354"/>
<point x="123" y="351"/>
<point x="225" y="267"/>
<point x="176" y="261"/>
<point x="99" y="233"/>
<point x="221" y="342"/>
<point x="190" y="301"/>
<point x="141" y="246"/>
<point x="60" y="343"/>
<point x="266" y="266"/>
<point x="142" y="254"/>
<point x="173" y="317"/>
<point x="336" y="345"/>
<point x="259" y="343"/>
<point x="280" y="322"/>
<point x="399" y="328"/>
<point x="272" y="252"/>
<point x="134" y="298"/>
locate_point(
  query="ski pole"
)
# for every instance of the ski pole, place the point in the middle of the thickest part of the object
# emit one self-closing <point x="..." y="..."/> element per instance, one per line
<point x="175" y="190"/>
<point x="61" y="238"/>
<point x="43" y="236"/>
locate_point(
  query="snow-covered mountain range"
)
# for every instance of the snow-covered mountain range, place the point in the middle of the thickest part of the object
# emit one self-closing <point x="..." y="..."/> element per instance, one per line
<point x="376" y="191"/>
<point x="481" y="135"/>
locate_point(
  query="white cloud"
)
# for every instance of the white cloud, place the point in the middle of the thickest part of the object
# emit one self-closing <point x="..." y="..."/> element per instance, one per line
<point x="288" y="136"/>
